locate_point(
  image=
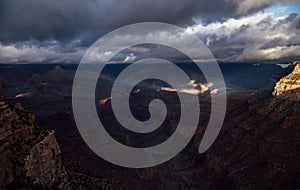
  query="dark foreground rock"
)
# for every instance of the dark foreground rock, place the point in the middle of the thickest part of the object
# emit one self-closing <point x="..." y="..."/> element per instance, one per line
<point x="30" y="157"/>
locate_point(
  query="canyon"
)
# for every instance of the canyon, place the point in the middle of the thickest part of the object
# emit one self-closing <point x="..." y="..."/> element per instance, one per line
<point x="258" y="147"/>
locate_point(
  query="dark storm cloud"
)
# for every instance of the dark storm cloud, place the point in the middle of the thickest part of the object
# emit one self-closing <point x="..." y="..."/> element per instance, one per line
<point x="61" y="30"/>
<point x="89" y="19"/>
<point x="257" y="38"/>
<point x="261" y="37"/>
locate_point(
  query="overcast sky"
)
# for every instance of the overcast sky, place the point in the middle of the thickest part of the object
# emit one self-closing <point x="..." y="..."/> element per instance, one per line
<point x="60" y="31"/>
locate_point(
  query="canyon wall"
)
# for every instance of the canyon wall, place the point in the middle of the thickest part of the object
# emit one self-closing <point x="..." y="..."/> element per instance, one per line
<point x="258" y="147"/>
<point x="29" y="155"/>
<point x="289" y="86"/>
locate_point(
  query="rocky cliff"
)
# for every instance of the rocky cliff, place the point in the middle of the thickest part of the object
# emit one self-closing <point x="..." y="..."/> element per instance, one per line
<point x="259" y="145"/>
<point x="289" y="86"/>
<point x="29" y="155"/>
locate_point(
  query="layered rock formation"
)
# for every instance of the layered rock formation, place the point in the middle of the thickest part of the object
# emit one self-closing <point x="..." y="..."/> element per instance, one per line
<point x="29" y="155"/>
<point x="289" y="86"/>
<point x="258" y="148"/>
<point x="6" y="172"/>
<point x="259" y="145"/>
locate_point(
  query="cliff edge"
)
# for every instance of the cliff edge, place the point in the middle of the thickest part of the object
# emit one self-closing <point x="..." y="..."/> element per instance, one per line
<point x="29" y="155"/>
<point x="289" y="86"/>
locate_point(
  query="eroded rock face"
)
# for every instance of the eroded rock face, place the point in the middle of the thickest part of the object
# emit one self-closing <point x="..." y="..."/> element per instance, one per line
<point x="289" y="86"/>
<point x="29" y="155"/>
<point x="43" y="164"/>
<point x="259" y="143"/>
<point x="6" y="171"/>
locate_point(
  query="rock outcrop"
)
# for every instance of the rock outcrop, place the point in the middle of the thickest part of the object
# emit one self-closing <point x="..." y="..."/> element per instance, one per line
<point x="289" y="86"/>
<point x="258" y="146"/>
<point x="29" y="155"/>
<point x="6" y="171"/>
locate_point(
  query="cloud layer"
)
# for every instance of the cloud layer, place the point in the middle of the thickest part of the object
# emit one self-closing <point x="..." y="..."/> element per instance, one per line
<point x="254" y="38"/>
<point x="59" y="19"/>
<point x="61" y="30"/>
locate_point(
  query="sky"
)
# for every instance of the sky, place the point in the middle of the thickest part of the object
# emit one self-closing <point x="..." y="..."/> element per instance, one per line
<point x="236" y="31"/>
